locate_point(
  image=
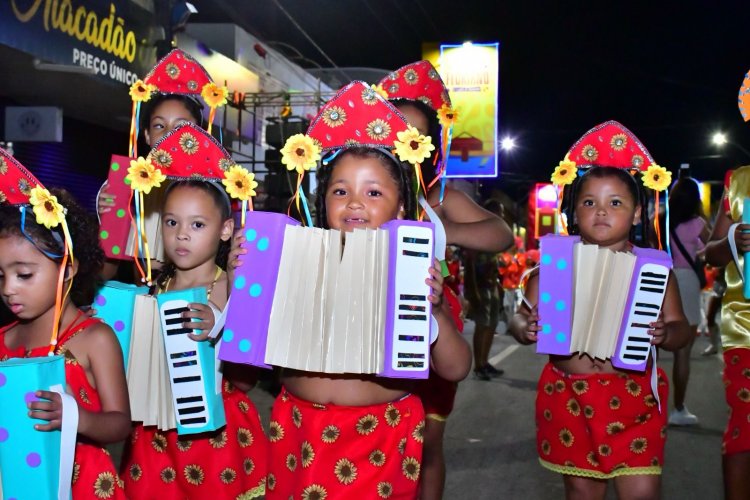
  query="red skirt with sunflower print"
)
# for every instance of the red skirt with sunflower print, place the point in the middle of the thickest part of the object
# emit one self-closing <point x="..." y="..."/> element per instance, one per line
<point x="737" y="389"/>
<point x="344" y="452"/>
<point x="228" y="463"/>
<point x="600" y="425"/>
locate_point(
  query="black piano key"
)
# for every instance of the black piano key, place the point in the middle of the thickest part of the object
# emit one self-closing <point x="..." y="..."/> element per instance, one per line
<point x="651" y="274"/>
<point x="653" y="282"/>
<point x="411" y="338"/>
<point x="182" y="364"/>
<point x="646" y="304"/>
<point x="638" y="348"/>
<point x="640" y="325"/>
<point x="194" y="378"/>
<point x="635" y="338"/>
<point x="418" y="241"/>
<point x="646" y="313"/>
<point x="190" y="410"/>
<point x="179" y="331"/>
<point x="175" y="321"/>
<point x="410" y="364"/>
<point x="194" y="420"/>
<point x="412" y="253"/>
<point x="186" y="354"/>
<point x="178" y="310"/>
<point x="635" y="357"/>
<point x="410" y="355"/>
<point x="653" y="290"/>
<point x="405" y="296"/>
<point x="412" y="317"/>
<point x="189" y="399"/>
<point x="406" y="307"/>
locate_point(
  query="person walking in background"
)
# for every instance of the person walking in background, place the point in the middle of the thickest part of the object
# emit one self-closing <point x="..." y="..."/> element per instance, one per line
<point x="688" y="233"/>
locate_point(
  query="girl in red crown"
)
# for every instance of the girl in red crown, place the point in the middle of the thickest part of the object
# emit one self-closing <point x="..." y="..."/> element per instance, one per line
<point x="196" y="227"/>
<point x="596" y="422"/>
<point x="420" y="94"/>
<point x="36" y="264"/>
<point x="357" y="436"/>
<point x="168" y="96"/>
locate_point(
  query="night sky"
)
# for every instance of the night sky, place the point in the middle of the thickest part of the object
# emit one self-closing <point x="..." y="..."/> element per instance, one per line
<point x="669" y="71"/>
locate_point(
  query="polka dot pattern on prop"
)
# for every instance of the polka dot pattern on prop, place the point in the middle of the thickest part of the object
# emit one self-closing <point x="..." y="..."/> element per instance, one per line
<point x="32" y="454"/>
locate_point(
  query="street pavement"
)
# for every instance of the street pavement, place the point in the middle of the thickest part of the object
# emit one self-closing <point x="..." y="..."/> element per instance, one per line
<point x="490" y="439"/>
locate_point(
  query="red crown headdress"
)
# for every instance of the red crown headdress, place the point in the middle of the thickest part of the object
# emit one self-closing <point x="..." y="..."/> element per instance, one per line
<point x="187" y="152"/>
<point x="420" y="81"/>
<point x="176" y="73"/>
<point x="356" y="116"/>
<point x="18" y="187"/>
<point x="611" y="144"/>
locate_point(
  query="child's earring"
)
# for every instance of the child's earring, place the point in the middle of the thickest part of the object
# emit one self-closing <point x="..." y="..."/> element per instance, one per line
<point x="401" y="213"/>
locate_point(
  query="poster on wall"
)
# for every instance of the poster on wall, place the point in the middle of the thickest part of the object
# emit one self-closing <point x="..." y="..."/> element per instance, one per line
<point x="113" y="39"/>
<point x="471" y="73"/>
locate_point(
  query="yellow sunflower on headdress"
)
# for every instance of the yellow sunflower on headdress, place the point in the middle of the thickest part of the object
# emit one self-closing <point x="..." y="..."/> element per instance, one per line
<point x="657" y="178"/>
<point x="214" y="95"/>
<point x="240" y="183"/>
<point x="565" y="172"/>
<point x="300" y="153"/>
<point x="447" y="116"/>
<point x="48" y="211"/>
<point x="412" y="146"/>
<point x="143" y="176"/>
<point x="141" y="92"/>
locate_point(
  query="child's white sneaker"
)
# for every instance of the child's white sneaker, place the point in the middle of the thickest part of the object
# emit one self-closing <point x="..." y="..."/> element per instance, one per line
<point x="682" y="417"/>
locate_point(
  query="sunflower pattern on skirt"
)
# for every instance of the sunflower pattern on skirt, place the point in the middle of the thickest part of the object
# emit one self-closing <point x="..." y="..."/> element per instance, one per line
<point x="331" y="452"/>
<point x="736" y="378"/>
<point x="600" y="425"/>
<point x="230" y="460"/>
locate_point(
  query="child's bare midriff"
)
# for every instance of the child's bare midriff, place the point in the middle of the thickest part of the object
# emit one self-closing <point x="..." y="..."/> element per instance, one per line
<point x="582" y="364"/>
<point x="345" y="389"/>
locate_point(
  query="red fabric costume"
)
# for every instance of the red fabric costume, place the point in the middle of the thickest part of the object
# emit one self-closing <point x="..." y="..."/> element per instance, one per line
<point x="436" y="393"/>
<point x="344" y="452"/>
<point x="160" y="465"/>
<point x="737" y="388"/>
<point x="94" y="474"/>
<point x="600" y="425"/>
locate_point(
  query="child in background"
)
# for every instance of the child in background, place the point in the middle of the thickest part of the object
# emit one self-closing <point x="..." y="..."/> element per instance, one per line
<point x="170" y="96"/>
<point x="196" y="227"/>
<point x="596" y="422"/>
<point x="735" y="332"/>
<point x="352" y="435"/>
<point x="31" y="253"/>
<point x="420" y="94"/>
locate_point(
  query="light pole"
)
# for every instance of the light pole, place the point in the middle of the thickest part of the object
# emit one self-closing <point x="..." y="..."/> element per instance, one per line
<point x="719" y="139"/>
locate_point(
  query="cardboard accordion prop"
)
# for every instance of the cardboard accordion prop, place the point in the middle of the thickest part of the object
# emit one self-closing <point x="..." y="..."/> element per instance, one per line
<point x="115" y="224"/>
<point x="34" y="464"/>
<point x="305" y="300"/>
<point x="117" y="231"/>
<point x="173" y="381"/>
<point x="599" y="302"/>
<point x="114" y="305"/>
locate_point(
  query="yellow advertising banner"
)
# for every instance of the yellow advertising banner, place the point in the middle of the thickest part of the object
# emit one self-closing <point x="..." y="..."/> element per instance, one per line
<point x="471" y="73"/>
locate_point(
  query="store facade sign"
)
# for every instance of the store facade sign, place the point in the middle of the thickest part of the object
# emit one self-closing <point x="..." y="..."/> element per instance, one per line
<point x="471" y="73"/>
<point x="112" y="38"/>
